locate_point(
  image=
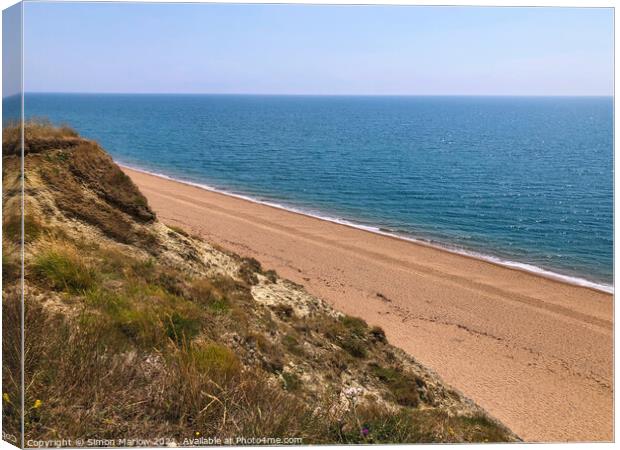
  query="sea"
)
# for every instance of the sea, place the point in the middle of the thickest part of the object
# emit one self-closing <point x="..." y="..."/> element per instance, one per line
<point x="522" y="181"/>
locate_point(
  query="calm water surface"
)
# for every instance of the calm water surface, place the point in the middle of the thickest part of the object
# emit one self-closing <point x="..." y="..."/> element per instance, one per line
<point x="527" y="180"/>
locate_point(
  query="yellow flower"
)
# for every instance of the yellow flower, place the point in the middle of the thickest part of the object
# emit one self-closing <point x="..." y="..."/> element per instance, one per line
<point x="6" y="397"/>
<point x="37" y="404"/>
<point x="197" y="433"/>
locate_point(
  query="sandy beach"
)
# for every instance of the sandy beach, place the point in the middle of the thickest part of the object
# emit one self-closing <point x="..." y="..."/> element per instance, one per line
<point x="534" y="352"/>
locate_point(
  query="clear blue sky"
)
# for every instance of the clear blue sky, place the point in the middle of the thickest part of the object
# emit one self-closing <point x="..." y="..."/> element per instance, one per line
<point x="11" y="50"/>
<point x="312" y="49"/>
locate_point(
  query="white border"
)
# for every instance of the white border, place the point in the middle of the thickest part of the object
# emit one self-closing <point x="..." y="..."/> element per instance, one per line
<point x="519" y="3"/>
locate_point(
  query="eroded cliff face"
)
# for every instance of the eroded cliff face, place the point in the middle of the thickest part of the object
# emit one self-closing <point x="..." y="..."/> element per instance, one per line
<point x="134" y="328"/>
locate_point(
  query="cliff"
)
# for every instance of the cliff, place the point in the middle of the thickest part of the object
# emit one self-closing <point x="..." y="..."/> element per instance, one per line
<point x="134" y="328"/>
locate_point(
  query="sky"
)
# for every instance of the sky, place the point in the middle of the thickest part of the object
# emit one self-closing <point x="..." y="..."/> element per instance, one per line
<point x="317" y="49"/>
<point x="11" y="50"/>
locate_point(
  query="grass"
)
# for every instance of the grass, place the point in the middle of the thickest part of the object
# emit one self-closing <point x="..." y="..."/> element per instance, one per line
<point x="291" y="344"/>
<point x="39" y="129"/>
<point x="141" y="306"/>
<point x="291" y="381"/>
<point x="182" y="329"/>
<point x="150" y="336"/>
<point x="152" y="317"/>
<point x="11" y="262"/>
<point x="216" y="360"/>
<point x="205" y="292"/>
<point x="11" y="360"/>
<point x="351" y="334"/>
<point x="197" y="388"/>
<point x="96" y="170"/>
<point x="248" y="269"/>
<point x="402" y="386"/>
<point x="355" y="325"/>
<point x="12" y="227"/>
<point x="375" y="425"/>
<point x="377" y="334"/>
<point x="42" y="128"/>
<point x="87" y="185"/>
<point x="64" y="269"/>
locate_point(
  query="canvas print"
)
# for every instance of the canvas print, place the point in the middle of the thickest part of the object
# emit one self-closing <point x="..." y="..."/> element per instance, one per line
<point x="293" y="224"/>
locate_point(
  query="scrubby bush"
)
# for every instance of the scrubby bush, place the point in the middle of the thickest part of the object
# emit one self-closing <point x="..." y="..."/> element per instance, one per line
<point x="403" y="387"/>
<point x="64" y="269"/>
<point x="248" y="269"/>
<point x="216" y="360"/>
<point x="181" y="329"/>
<point x="350" y="333"/>
<point x="377" y="334"/>
<point x="12" y="228"/>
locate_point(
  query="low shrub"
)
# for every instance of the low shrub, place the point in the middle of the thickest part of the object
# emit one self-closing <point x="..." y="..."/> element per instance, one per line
<point x="377" y="334"/>
<point x="216" y="360"/>
<point x="64" y="269"/>
<point x="350" y="333"/>
<point x="12" y="228"/>
<point x="284" y="311"/>
<point x="248" y="269"/>
<point x="181" y="329"/>
<point x="204" y="292"/>
<point x="292" y="345"/>
<point x="404" y="387"/>
<point x="355" y="325"/>
<point x="354" y="346"/>
<point x="11" y="262"/>
<point x="291" y="381"/>
<point x="271" y="275"/>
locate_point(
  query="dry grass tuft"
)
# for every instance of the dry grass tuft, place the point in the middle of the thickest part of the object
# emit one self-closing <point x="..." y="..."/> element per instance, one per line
<point x="63" y="268"/>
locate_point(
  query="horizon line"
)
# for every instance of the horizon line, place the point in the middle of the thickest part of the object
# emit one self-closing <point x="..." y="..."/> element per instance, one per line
<point x="304" y="94"/>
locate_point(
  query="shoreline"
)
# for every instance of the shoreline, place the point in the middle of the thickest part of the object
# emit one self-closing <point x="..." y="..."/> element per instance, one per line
<point x="535" y="353"/>
<point x="501" y="262"/>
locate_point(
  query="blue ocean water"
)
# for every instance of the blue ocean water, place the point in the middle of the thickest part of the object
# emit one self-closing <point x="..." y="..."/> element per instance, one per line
<point x="527" y="180"/>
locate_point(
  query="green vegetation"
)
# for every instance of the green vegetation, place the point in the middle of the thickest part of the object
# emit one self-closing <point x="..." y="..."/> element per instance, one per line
<point x="248" y="269"/>
<point x="206" y="293"/>
<point x="216" y="360"/>
<point x="421" y="426"/>
<point x="12" y="227"/>
<point x="292" y="344"/>
<point x="403" y="387"/>
<point x="11" y="262"/>
<point x="36" y="130"/>
<point x="64" y="269"/>
<point x="291" y="381"/>
<point x="182" y="329"/>
<point x="271" y="275"/>
<point x="350" y="333"/>
<point x="377" y="334"/>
